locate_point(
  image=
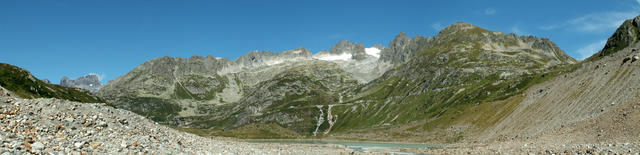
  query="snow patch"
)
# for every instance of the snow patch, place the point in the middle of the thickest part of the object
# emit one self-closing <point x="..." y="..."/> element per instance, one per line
<point x="343" y="56"/>
<point x="273" y="62"/>
<point x="373" y="51"/>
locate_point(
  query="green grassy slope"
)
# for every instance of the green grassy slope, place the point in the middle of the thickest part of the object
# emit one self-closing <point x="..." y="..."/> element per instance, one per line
<point x="22" y="83"/>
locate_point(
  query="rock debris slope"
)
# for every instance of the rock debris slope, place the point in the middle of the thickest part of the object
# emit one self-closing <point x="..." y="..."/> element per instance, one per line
<point x="48" y="125"/>
<point x="594" y="109"/>
<point x="602" y="92"/>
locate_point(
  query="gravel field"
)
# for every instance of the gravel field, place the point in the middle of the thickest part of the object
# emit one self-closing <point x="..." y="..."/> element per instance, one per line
<point x="41" y="126"/>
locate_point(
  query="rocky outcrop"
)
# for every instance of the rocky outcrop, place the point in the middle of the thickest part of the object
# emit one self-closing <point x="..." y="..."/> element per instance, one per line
<point x="396" y="52"/>
<point x="89" y="82"/>
<point x="46" y="81"/>
<point x="627" y="34"/>
<point x="345" y="47"/>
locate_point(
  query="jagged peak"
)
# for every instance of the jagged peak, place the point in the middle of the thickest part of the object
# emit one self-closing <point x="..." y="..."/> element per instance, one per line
<point x="400" y="38"/>
<point x="627" y="34"/>
<point x="345" y="46"/>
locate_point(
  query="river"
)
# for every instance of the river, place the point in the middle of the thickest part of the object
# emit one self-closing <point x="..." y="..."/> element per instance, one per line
<point x="359" y="146"/>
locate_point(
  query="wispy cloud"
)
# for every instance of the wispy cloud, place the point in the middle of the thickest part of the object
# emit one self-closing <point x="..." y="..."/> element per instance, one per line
<point x="595" y="22"/>
<point x="590" y="49"/>
<point x="517" y="30"/>
<point x="491" y="11"/>
<point x="100" y="76"/>
<point x="437" y="26"/>
<point x="638" y="2"/>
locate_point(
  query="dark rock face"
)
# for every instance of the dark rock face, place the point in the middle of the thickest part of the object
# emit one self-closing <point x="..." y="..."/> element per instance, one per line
<point x="627" y="34"/>
<point x="396" y="52"/>
<point x="89" y="82"/>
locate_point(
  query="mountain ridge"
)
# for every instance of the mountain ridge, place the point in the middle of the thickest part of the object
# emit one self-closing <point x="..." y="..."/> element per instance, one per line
<point x="262" y="87"/>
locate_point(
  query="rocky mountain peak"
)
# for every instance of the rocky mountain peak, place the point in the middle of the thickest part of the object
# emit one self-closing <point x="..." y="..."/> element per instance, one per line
<point x="89" y="82"/>
<point x="627" y="34"/>
<point x="459" y="27"/>
<point x="356" y="50"/>
<point x="394" y="53"/>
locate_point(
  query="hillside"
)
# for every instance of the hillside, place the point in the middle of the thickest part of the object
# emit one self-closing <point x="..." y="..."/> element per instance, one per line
<point x="453" y="77"/>
<point x="589" y="110"/>
<point x="25" y="85"/>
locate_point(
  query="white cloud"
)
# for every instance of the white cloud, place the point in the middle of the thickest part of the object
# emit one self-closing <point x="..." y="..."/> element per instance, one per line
<point x="590" y="49"/>
<point x="437" y="26"/>
<point x="601" y="21"/>
<point x="595" y="22"/>
<point x="638" y="1"/>
<point x="491" y="11"/>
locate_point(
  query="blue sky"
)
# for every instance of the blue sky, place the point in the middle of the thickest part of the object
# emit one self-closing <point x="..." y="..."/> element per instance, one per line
<point x="110" y="37"/>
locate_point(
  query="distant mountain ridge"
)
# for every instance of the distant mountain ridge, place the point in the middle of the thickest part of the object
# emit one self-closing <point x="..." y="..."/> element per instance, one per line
<point x="89" y="82"/>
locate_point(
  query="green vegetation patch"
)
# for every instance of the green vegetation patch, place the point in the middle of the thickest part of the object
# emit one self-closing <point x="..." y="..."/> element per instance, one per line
<point x="22" y="83"/>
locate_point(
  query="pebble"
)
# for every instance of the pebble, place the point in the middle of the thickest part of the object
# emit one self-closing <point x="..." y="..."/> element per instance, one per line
<point x="37" y="146"/>
<point x="78" y="144"/>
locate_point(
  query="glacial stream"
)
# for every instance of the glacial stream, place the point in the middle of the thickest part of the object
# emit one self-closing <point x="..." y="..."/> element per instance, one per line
<point x="359" y="146"/>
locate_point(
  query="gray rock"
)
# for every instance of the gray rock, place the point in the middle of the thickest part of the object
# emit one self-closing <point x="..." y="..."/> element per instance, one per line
<point x="396" y="52"/>
<point x="356" y="50"/>
<point x="78" y="144"/>
<point x="37" y="146"/>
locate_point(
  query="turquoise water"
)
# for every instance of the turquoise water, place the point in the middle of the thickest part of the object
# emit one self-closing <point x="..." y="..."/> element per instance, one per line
<point x="360" y="146"/>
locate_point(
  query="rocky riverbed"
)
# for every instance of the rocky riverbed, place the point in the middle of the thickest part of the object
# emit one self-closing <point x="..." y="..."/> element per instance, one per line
<point x="37" y="126"/>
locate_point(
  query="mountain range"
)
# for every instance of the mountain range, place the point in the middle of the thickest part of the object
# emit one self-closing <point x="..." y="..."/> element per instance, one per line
<point x="343" y="92"/>
<point x="465" y="84"/>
